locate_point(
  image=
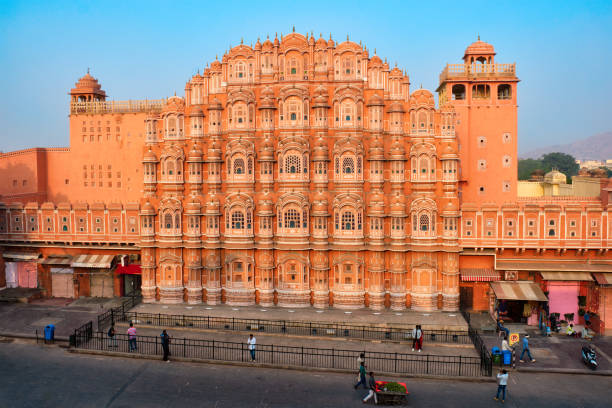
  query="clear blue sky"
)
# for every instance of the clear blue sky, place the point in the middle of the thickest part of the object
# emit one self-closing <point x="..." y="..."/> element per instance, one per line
<point x="149" y="49"/>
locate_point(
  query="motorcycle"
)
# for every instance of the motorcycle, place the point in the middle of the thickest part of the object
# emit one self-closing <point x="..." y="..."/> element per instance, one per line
<point x="555" y="326"/>
<point x="589" y="357"/>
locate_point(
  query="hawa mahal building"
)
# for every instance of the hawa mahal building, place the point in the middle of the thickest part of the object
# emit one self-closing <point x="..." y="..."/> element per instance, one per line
<point x="303" y="172"/>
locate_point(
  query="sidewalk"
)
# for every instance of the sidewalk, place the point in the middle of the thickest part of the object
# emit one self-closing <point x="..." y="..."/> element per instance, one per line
<point x="557" y="353"/>
<point x="384" y="318"/>
<point x="465" y="350"/>
<point x="23" y="319"/>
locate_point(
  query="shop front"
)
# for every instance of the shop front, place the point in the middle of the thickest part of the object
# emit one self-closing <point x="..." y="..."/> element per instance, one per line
<point x="62" y="275"/>
<point x="564" y="290"/>
<point x="517" y="301"/>
<point x="604" y="313"/>
<point x="474" y="287"/>
<point x="130" y="279"/>
<point x="94" y="275"/>
<point x="21" y="269"/>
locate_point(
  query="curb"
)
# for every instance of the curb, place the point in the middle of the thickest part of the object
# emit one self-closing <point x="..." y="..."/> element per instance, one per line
<point x="294" y="336"/>
<point x="60" y="341"/>
<point x="574" y="371"/>
<point x="282" y="367"/>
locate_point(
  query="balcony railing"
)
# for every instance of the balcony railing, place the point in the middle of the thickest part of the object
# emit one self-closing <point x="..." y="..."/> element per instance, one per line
<point x="155" y="105"/>
<point x="478" y="70"/>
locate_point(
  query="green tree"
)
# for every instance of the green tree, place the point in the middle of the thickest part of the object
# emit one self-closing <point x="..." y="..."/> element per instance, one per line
<point x="565" y="163"/>
<point x="527" y="166"/>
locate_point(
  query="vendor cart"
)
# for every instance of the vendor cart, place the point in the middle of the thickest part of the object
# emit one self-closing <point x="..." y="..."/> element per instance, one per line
<point x="388" y="397"/>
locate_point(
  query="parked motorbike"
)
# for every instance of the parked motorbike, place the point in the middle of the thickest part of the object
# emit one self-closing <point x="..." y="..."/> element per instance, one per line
<point x="555" y="326"/>
<point x="589" y="357"/>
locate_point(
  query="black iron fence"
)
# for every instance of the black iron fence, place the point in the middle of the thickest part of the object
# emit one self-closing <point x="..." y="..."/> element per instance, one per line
<point x="117" y="313"/>
<point x="82" y="335"/>
<point x="281" y="356"/>
<point x="319" y="329"/>
<point x="479" y="344"/>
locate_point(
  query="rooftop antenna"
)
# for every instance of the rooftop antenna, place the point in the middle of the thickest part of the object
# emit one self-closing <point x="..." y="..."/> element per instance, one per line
<point x="293" y="28"/>
<point x="88" y="70"/>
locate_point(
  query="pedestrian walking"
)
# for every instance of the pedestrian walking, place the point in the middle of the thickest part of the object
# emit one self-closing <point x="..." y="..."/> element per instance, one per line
<point x="112" y="339"/>
<point x="502" y="382"/>
<point x="165" y="342"/>
<point x="361" y="359"/>
<point x="251" y="345"/>
<point x="361" y="376"/>
<point x="131" y="332"/>
<point x="372" y="392"/>
<point x="526" y="349"/>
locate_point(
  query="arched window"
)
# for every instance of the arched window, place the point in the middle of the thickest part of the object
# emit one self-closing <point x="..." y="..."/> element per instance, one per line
<point x="240" y="70"/>
<point x="481" y="91"/>
<point x="292" y="218"/>
<point x="348" y="221"/>
<point x="348" y="165"/>
<point x="458" y="92"/>
<point x="293" y="66"/>
<point x="292" y="164"/>
<point x="237" y="220"/>
<point x="177" y="221"/>
<point x="504" y="91"/>
<point x="424" y="223"/>
<point x="238" y="166"/>
<point x="168" y="221"/>
<point x="170" y="167"/>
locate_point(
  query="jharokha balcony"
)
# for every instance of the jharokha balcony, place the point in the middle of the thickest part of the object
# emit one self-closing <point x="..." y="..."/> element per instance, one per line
<point x="477" y="70"/>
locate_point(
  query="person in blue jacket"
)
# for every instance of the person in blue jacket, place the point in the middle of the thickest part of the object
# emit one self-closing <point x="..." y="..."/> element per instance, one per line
<point x="526" y="349"/>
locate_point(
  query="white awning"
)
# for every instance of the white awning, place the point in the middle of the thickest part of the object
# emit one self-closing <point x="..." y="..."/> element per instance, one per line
<point x="21" y="256"/>
<point x="92" y="261"/>
<point x="566" y="276"/>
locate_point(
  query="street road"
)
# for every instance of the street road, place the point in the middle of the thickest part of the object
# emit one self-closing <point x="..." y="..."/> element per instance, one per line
<point x="40" y="376"/>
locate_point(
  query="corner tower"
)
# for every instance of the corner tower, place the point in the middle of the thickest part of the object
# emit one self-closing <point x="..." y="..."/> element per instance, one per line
<point x="484" y="95"/>
<point x="87" y="89"/>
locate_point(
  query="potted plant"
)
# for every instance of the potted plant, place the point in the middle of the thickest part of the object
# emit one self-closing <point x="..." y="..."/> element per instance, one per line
<point x="569" y="317"/>
<point x="581" y="301"/>
<point x="581" y="312"/>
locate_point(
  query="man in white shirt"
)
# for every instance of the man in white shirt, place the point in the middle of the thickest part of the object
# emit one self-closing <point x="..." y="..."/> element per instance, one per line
<point x="251" y="344"/>
<point x="502" y="378"/>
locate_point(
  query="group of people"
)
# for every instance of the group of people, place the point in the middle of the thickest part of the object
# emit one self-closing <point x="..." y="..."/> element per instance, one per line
<point x="361" y="380"/>
<point x="164" y="340"/>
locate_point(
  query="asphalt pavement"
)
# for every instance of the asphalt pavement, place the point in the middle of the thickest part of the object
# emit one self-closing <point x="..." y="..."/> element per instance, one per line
<point x="48" y="376"/>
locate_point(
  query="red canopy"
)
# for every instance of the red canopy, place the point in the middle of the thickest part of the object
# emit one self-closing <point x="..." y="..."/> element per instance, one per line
<point x="128" y="270"/>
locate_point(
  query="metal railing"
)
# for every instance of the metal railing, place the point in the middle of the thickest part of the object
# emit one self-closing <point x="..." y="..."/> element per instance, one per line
<point x="283" y="356"/>
<point x="117" y="313"/>
<point x="82" y="335"/>
<point x="317" y="329"/>
<point x="479" y="344"/>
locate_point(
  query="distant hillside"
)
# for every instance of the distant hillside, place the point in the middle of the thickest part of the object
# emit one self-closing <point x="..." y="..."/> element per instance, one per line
<point x="597" y="147"/>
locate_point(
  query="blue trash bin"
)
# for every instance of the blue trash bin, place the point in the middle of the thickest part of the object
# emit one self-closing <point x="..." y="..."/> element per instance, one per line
<point x="496" y="355"/>
<point x="49" y="332"/>
<point x="507" y="357"/>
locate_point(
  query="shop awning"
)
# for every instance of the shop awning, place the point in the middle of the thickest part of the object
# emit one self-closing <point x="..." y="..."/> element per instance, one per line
<point x="518" y="290"/>
<point x="552" y="266"/>
<point x="92" y="261"/>
<point x="63" y="260"/>
<point x="479" y="275"/>
<point x="567" y="276"/>
<point x="21" y="256"/>
<point x="129" y="270"/>
<point x="604" y="279"/>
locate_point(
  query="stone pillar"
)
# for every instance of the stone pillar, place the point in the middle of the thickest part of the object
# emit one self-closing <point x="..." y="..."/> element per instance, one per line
<point x="376" y="280"/>
<point x="212" y="269"/>
<point x="320" y="271"/>
<point x="148" y="286"/>
<point x="265" y="277"/>
<point x="450" y="282"/>
<point x="397" y="268"/>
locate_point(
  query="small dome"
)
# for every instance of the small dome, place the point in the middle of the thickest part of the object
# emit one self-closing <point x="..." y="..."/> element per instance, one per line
<point x="321" y="43"/>
<point x="422" y="97"/>
<point x="149" y="157"/>
<point x="396" y="107"/>
<point x="376" y="100"/>
<point x="196" y="111"/>
<point x="212" y="205"/>
<point x="195" y="154"/>
<point x="193" y="207"/>
<point x="215" y="104"/>
<point x="258" y="45"/>
<point x="88" y="85"/>
<point x="319" y="207"/>
<point x="214" y="151"/>
<point x="265" y="207"/>
<point x="479" y="48"/>
<point x="174" y="104"/>
<point x="147" y="208"/>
